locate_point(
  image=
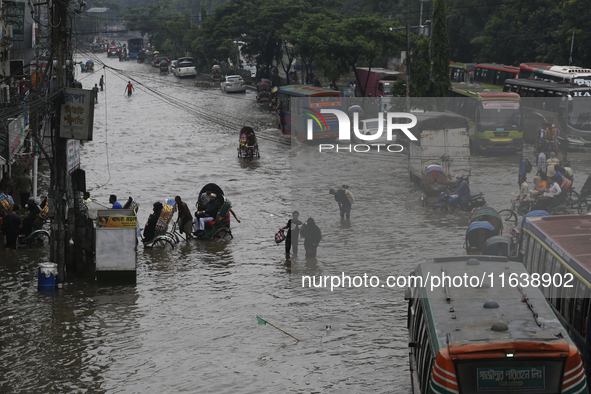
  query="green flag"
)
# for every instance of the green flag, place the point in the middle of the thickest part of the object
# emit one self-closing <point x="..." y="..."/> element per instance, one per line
<point x="261" y="321"/>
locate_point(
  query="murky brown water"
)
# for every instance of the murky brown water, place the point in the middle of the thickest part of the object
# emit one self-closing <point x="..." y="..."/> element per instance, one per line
<point x="189" y="324"/>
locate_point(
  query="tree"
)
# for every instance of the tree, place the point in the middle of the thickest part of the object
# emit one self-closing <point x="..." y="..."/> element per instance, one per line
<point x="421" y="84"/>
<point x="353" y="42"/>
<point x="525" y="31"/>
<point x="441" y="51"/>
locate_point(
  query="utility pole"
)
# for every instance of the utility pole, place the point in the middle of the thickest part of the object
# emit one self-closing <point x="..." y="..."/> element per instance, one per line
<point x="421" y="28"/>
<point x="61" y="43"/>
<point x="572" y="43"/>
<point x="407" y="53"/>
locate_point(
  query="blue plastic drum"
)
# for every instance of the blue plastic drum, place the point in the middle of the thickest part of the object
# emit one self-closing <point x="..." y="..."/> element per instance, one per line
<point x="47" y="276"/>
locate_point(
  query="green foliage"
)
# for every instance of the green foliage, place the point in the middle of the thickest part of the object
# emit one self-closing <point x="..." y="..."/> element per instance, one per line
<point x="340" y="36"/>
<point x="421" y="84"/>
<point x="399" y="88"/>
<point x="441" y="51"/>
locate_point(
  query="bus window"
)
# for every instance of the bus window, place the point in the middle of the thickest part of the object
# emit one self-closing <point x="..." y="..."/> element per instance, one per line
<point x="556" y="290"/>
<point x="524" y="246"/>
<point x="566" y="309"/>
<point x="530" y="254"/>
<point x="581" y="306"/>
<point x="287" y="106"/>
<point x="535" y="257"/>
<point x="417" y="318"/>
<point x="426" y="371"/>
<point x="547" y="269"/>
<point x="497" y="78"/>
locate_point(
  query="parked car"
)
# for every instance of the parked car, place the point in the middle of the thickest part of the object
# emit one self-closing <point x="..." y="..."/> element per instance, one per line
<point x="371" y="127"/>
<point x="172" y="65"/>
<point x="158" y="58"/>
<point x="233" y="83"/>
<point x="185" y="68"/>
<point x="113" y="51"/>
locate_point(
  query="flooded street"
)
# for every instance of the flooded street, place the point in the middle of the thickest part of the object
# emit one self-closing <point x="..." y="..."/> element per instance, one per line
<point x="189" y="325"/>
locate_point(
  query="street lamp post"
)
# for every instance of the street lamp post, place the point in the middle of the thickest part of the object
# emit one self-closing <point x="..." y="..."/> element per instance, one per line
<point x="421" y="30"/>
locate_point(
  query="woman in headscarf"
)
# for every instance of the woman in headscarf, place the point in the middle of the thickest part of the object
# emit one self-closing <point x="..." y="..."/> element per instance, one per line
<point x="312" y="235"/>
<point x="150" y="229"/>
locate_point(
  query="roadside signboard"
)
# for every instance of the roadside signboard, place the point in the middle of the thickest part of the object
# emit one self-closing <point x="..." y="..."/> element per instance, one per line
<point x="77" y="114"/>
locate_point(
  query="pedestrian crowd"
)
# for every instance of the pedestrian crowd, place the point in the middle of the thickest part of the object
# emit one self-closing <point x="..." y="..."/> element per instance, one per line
<point x="310" y="231"/>
<point x="553" y="178"/>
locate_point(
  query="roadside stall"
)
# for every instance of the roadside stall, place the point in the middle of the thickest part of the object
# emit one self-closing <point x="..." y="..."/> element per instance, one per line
<point x="116" y="245"/>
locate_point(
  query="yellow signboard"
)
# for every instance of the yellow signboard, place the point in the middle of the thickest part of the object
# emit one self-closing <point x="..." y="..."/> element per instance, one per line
<point x="118" y="221"/>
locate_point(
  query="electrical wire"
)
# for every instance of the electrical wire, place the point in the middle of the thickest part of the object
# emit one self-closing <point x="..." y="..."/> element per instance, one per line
<point x="106" y="135"/>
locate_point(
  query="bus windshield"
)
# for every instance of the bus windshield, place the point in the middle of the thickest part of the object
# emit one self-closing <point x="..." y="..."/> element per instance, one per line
<point x="579" y="112"/>
<point x="498" y="114"/>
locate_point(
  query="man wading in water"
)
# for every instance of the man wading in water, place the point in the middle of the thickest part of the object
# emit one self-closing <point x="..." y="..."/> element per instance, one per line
<point x="129" y="88"/>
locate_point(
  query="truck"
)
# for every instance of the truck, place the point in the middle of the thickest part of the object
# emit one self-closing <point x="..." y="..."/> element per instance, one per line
<point x="378" y="82"/>
<point x="442" y="151"/>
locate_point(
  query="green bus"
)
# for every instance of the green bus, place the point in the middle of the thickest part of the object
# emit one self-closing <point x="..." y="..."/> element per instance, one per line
<point x="461" y="72"/>
<point x="495" y="118"/>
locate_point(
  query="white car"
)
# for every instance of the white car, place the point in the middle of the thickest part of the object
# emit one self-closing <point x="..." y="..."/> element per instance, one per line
<point x="185" y="68"/>
<point x="370" y="127"/>
<point x="233" y="83"/>
<point x="172" y="65"/>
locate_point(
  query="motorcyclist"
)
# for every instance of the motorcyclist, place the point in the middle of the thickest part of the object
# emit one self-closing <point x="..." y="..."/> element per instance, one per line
<point x="463" y="191"/>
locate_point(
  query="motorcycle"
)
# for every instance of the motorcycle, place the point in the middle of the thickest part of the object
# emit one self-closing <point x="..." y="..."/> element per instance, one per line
<point x="450" y="202"/>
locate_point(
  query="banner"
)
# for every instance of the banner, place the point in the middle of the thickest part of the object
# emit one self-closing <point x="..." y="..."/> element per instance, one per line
<point x="14" y="15"/>
<point x="117" y="221"/>
<point x="73" y="157"/>
<point x="16" y="137"/>
<point x="77" y="114"/>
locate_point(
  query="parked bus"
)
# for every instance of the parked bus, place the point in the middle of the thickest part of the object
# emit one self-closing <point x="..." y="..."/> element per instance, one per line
<point x="135" y="45"/>
<point x="486" y="337"/>
<point x="494" y="117"/>
<point x="549" y="72"/>
<point x="461" y="72"/>
<point x="492" y="75"/>
<point x="558" y="249"/>
<point x="296" y="104"/>
<point x="565" y="105"/>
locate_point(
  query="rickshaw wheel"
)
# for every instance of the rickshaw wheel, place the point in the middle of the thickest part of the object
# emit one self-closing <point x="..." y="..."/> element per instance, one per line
<point x="572" y="197"/>
<point x="223" y="233"/>
<point x="585" y="206"/>
<point x="508" y="215"/>
<point x="250" y="154"/>
<point x="560" y="211"/>
<point x="40" y="239"/>
<point x="163" y="243"/>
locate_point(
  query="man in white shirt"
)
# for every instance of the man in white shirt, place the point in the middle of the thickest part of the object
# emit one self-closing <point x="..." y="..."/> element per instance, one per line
<point x="549" y="196"/>
<point x="541" y="163"/>
<point x="524" y="196"/>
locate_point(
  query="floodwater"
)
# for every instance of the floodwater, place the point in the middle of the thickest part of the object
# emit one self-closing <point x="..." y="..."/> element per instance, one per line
<point x="189" y="324"/>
